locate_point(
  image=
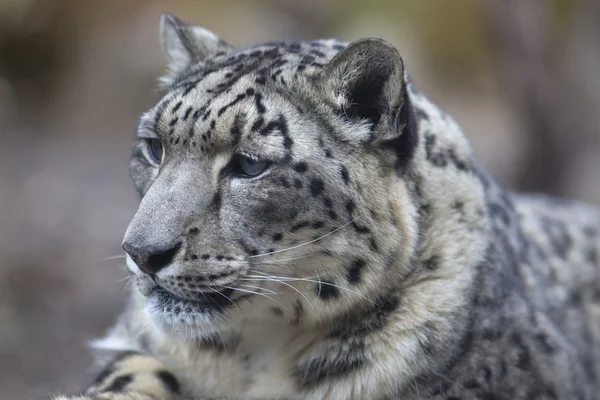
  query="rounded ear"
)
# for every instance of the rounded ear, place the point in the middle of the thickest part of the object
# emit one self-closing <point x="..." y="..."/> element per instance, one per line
<point x="366" y="79"/>
<point x="184" y="45"/>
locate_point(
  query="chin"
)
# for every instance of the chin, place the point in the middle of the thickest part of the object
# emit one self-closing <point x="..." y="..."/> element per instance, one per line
<point x="185" y="318"/>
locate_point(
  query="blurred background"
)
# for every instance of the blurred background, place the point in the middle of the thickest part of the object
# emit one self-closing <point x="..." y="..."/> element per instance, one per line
<point x="521" y="77"/>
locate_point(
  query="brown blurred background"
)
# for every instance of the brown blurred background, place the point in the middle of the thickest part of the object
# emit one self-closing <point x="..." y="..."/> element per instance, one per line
<point x="522" y="77"/>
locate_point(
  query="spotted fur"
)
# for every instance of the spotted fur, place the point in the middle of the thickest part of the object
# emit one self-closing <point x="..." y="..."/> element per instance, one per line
<point x="372" y="258"/>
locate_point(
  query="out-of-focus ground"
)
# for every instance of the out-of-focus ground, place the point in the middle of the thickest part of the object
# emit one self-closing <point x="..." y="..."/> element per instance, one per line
<point x="520" y="76"/>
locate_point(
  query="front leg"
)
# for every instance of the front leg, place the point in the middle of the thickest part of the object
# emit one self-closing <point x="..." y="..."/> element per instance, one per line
<point x="132" y="376"/>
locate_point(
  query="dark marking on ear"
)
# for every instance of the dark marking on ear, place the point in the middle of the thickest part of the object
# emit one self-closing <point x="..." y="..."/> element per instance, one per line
<point x="326" y="290"/>
<point x="119" y="383"/>
<point x="406" y="143"/>
<point x="355" y="271"/>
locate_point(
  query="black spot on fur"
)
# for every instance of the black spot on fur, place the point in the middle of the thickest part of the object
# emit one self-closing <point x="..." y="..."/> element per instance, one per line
<point x="360" y="228"/>
<point x="316" y="186"/>
<point x="299" y="225"/>
<point x="374" y="319"/>
<point x="326" y="291"/>
<point x="260" y="107"/>
<point x="169" y="381"/>
<point x="277" y="237"/>
<point x="355" y="271"/>
<point x="345" y="175"/>
<point x="298" y="183"/>
<point x="258" y="124"/>
<point x="318" y="224"/>
<point x="237" y="99"/>
<point x="177" y="106"/>
<point x="187" y="113"/>
<point x="236" y="128"/>
<point x="444" y="157"/>
<point x="278" y="312"/>
<point x="119" y="383"/>
<point x="217" y="200"/>
<point x="432" y="263"/>
<point x="300" y="167"/>
<point x="350" y="206"/>
<point x="330" y="365"/>
<point x="279" y="124"/>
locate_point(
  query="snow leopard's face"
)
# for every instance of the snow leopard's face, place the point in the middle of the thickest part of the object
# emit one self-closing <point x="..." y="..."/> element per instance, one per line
<point x="265" y="176"/>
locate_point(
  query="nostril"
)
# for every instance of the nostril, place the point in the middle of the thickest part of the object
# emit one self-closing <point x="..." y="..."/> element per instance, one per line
<point x="159" y="260"/>
<point x="151" y="259"/>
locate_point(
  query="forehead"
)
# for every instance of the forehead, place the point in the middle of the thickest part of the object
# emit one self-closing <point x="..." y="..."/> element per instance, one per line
<point x="269" y="60"/>
<point x="205" y="92"/>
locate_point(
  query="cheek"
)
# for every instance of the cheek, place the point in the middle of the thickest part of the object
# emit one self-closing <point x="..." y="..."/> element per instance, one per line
<point x="265" y="206"/>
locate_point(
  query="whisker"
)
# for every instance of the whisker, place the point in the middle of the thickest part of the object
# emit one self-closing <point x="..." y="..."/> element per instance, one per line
<point x="259" y="288"/>
<point x="308" y="279"/>
<point x="217" y="304"/>
<point x="260" y="294"/>
<point x="284" y="259"/>
<point x="109" y="258"/>
<point x="340" y="287"/>
<point x="296" y="289"/>
<point x="304" y="244"/>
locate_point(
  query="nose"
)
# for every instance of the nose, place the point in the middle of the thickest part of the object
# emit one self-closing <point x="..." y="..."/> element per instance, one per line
<point x="152" y="258"/>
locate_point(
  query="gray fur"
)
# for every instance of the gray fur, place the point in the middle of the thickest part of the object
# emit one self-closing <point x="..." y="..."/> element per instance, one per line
<point x="373" y="258"/>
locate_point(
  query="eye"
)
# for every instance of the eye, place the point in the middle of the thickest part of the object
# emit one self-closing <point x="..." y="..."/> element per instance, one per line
<point x="155" y="150"/>
<point x="247" y="166"/>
